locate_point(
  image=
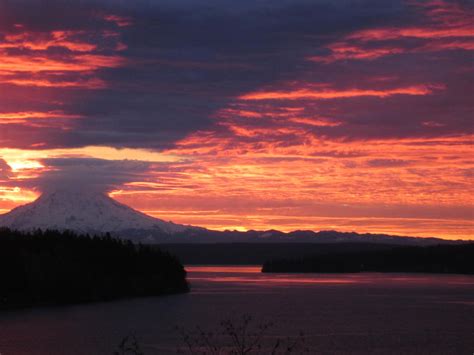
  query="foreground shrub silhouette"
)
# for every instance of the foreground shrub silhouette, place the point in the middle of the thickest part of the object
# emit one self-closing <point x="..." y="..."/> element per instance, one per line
<point x="51" y="267"/>
<point x="129" y="346"/>
<point x="239" y="337"/>
<point x="233" y="337"/>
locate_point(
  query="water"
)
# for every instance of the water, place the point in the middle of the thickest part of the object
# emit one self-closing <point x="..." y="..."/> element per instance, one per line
<point x="339" y="314"/>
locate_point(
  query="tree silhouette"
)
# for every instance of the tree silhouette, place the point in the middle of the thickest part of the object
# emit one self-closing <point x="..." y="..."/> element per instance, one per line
<point x="454" y="259"/>
<point x="52" y="267"/>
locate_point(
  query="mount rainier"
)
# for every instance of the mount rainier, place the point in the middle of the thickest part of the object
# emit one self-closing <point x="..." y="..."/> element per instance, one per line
<point x="87" y="212"/>
<point x="96" y="213"/>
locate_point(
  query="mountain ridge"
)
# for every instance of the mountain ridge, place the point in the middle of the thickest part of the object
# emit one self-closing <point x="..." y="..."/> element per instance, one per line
<point x="96" y="213"/>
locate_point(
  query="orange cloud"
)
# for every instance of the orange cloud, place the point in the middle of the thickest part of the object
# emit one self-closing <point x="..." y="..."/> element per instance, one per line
<point x="421" y="227"/>
<point x="37" y="119"/>
<point x="43" y="42"/>
<point x="120" y="21"/>
<point x="32" y="64"/>
<point x="79" y="63"/>
<point x="383" y="34"/>
<point x="29" y="114"/>
<point x="342" y="51"/>
<point x="449" y="27"/>
<point x="93" y="83"/>
<point x="318" y="122"/>
<point x="445" y="20"/>
<point x="418" y="186"/>
<point x="268" y="169"/>
<point x="326" y="94"/>
<point x="268" y="161"/>
<point x="12" y="197"/>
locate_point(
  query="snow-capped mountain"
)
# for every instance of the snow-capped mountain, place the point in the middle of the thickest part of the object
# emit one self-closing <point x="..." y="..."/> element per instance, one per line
<point x="96" y="213"/>
<point x="86" y="212"/>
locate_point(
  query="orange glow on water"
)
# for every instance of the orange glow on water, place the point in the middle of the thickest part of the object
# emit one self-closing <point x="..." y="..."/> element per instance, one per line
<point x="244" y="275"/>
<point x="224" y="269"/>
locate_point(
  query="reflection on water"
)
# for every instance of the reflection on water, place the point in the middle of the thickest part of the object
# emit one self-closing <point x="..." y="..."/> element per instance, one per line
<point x="224" y="269"/>
<point x="339" y="313"/>
<point x="267" y="281"/>
<point x="252" y="275"/>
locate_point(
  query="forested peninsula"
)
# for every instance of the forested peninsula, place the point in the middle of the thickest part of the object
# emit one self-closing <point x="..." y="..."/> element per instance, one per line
<point x="52" y="267"/>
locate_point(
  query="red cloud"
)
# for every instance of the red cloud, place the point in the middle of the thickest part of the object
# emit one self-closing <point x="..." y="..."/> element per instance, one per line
<point x="120" y="21"/>
<point x="37" y="118"/>
<point x="323" y="94"/>
<point x="44" y="41"/>
<point x="447" y="27"/>
<point x="26" y="58"/>
<point x="92" y="83"/>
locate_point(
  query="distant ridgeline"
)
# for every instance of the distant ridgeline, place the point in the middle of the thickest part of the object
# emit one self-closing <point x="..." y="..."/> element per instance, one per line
<point x="44" y="268"/>
<point x="453" y="259"/>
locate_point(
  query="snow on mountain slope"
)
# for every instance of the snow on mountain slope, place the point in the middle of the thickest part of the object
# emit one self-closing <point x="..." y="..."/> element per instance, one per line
<point x="96" y="213"/>
<point x="87" y="212"/>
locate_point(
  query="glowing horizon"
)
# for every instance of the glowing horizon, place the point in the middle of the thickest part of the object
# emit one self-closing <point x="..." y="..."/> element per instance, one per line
<point x="362" y="123"/>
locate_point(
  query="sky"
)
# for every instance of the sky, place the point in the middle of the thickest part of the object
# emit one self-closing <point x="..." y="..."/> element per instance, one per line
<point x="352" y="115"/>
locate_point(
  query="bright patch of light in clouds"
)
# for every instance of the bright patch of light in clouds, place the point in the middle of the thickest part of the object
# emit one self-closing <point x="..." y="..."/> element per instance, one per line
<point x="322" y="120"/>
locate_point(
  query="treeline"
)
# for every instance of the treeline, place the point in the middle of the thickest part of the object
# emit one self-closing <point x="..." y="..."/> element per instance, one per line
<point x="51" y="267"/>
<point x="452" y="259"/>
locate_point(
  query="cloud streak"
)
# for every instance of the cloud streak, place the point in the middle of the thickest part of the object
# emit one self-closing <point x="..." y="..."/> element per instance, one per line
<point x="447" y="26"/>
<point x="87" y="174"/>
<point x="328" y="94"/>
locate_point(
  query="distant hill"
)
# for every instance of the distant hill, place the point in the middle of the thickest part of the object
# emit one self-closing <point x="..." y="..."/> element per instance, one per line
<point x="258" y="253"/>
<point x="96" y="213"/>
<point x="303" y="237"/>
<point x="452" y="259"/>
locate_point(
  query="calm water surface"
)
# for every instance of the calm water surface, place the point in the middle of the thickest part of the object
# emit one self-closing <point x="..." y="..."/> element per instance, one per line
<point x="365" y="313"/>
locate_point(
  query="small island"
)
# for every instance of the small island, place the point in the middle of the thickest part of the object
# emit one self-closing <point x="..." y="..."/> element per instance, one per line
<point x="443" y="259"/>
<point x="53" y="268"/>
